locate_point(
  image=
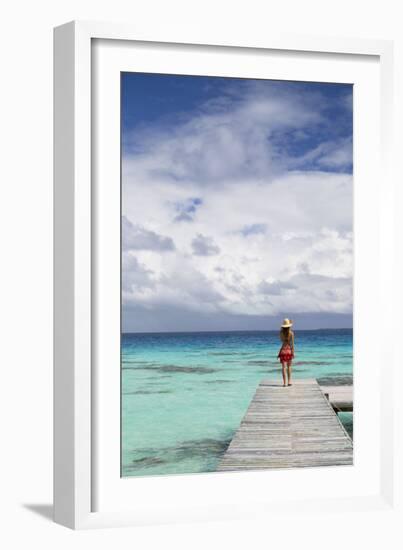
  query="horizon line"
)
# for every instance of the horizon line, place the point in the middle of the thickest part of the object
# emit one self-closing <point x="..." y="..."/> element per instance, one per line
<point x="237" y="330"/>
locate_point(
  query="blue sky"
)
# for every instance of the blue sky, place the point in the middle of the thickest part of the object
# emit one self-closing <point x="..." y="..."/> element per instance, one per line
<point x="237" y="203"/>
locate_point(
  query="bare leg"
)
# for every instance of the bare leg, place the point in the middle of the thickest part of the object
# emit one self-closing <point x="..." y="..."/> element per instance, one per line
<point x="289" y="372"/>
<point x="284" y="377"/>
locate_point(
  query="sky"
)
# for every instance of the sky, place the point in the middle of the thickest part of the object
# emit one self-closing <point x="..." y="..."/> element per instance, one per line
<point x="237" y="199"/>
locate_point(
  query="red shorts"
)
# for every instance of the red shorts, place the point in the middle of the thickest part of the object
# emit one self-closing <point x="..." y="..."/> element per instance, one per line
<point x="286" y="355"/>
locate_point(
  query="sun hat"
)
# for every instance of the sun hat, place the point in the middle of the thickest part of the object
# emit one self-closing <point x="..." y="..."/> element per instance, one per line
<point x="286" y="323"/>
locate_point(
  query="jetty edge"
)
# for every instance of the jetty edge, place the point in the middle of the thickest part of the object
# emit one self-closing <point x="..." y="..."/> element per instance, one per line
<point x="288" y="427"/>
<point x="340" y="397"/>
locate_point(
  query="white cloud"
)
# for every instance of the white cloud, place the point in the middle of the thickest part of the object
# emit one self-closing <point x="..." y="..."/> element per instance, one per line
<point x="204" y="246"/>
<point x="136" y="275"/>
<point x="136" y="237"/>
<point x="336" y="154"/>
<point x="307" y="231"/>
<point x="181" y="286"/>
<point x="232" y="141"/>
<point x="260" y="237"/>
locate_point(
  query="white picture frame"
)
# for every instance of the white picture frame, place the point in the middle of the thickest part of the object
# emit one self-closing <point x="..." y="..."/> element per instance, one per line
<point x="78" y="426"/>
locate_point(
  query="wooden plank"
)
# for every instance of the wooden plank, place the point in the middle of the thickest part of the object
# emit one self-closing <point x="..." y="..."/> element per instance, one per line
<point x="289" y="427"/>
<point x="340" y="397"/>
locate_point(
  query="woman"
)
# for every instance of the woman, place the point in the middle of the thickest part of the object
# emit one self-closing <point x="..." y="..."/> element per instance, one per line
<point x="286" y="353"/>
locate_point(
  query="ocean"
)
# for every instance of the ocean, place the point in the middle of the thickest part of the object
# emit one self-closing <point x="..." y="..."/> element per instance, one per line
<point x="184" y="394"/>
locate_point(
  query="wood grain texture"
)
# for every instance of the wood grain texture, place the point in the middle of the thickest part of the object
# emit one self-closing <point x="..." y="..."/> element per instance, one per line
<point x="288" y="427"/>
<point x="340" y="397"/>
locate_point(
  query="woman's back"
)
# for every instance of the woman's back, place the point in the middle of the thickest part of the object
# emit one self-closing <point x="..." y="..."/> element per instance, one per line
<point x="286" y="336"/>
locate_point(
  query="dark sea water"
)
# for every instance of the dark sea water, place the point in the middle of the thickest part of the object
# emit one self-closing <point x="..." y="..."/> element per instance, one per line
<point x="184" y="394"/>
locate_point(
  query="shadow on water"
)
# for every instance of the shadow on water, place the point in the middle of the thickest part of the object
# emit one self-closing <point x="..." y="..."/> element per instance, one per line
<point x="206" y="448"/>
<point x="219" y="381"/>
<point x="146" y="392"/>
<point x="336" y="380"/>
<point x="261" y="362"/>
<point x="313" y="363"/>
<point x="174" y="368"/>
<point x="347" y="420"/>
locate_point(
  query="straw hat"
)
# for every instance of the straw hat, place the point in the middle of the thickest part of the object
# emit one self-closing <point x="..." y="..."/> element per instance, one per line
<point x="286" y="323"/>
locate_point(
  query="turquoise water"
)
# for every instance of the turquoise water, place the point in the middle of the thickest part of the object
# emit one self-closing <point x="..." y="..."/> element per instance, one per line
<point x="184" y="394"/>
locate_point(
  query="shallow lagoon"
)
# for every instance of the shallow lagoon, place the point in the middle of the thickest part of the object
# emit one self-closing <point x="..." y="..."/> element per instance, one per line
<point x="184" y="394"/>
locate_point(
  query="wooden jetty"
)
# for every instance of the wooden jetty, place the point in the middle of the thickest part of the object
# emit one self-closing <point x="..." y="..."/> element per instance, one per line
<point x="340" y="397"/>
<point x="288" y="427"/>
